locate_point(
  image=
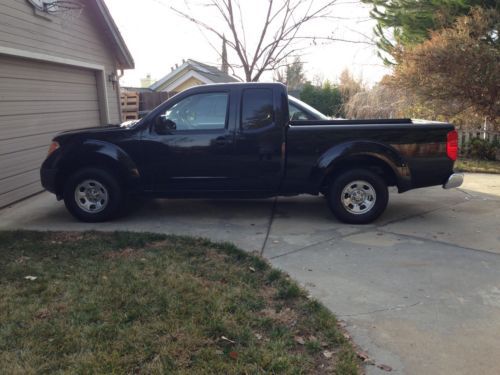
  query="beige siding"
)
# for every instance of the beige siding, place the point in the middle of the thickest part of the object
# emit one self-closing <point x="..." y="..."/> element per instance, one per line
<point x="191" y="82"/>
<point x="38" y="100"/>
<point x="80" y="39"/>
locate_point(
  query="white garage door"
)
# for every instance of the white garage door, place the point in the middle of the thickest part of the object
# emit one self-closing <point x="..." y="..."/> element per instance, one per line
<point x="37" y="100"/>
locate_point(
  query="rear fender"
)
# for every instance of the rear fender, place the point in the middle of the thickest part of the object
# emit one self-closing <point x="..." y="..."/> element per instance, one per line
<point x="359" y="153"/>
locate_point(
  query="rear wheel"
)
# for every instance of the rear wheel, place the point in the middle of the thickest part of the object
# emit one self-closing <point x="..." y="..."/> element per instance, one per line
<point x="358" y="196"/>
<point x="93" y="195"/>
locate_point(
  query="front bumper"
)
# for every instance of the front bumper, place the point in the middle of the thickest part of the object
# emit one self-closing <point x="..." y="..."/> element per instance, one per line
<point x="48" y="179"/>
<point x="455" y="180"/>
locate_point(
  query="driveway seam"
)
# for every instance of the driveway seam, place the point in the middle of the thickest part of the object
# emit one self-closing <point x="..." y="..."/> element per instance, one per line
<point x="376" y="227"/>
<point x="269" y="225"/>
<point x="439" y="242"/>
<point x="385" y="231"/>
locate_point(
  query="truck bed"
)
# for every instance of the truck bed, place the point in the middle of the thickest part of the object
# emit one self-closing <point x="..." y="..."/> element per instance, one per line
<point x="353" y="122"/>
<point x="421" y="147"/>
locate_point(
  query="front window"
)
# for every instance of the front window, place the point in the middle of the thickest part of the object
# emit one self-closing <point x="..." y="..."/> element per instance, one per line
<point x="206" y="111"/>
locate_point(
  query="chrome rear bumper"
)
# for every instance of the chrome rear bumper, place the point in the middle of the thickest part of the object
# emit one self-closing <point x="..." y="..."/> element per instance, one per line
<point x="455" y="180"/>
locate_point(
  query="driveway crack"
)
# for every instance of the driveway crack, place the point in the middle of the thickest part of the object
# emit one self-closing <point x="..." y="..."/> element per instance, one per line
<point x="392" y="308"/>
<point x="420" y="214"/>
<point x="316" y="243"/>
<point x="466" y="193"/>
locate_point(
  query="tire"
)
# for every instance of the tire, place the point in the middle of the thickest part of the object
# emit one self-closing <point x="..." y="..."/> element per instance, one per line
<point x="358" y="196"/>
<point x="93" y="195"/>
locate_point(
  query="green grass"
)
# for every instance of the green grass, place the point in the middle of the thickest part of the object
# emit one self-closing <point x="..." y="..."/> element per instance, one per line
<point x="477" y="166"/>
<point x="145" y="303"/>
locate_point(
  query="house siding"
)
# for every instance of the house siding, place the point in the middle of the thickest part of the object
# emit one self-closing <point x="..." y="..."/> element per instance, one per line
<point x="81" y="39"/>
<point x="39" y="99"/>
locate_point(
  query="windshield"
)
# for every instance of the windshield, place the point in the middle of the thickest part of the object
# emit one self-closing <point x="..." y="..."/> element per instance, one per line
<point x="295" y="104"/>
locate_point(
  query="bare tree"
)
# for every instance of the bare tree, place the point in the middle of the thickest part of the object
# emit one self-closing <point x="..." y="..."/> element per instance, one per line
<point x="349" y="85"/>
<point x="292" y="75"/>
<point x="280" y="37"/>
<point x="379" y="102"/>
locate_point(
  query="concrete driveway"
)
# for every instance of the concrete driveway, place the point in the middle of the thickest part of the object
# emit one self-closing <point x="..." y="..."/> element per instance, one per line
<point x="419" y="290"/>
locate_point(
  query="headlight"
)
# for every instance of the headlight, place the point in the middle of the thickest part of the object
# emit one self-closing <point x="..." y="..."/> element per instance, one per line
<point x="53" y="146"/>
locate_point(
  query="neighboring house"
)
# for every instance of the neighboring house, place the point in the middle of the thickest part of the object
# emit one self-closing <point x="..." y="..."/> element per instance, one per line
<point x="59" y="70"/>
<point x="191" y="73"/>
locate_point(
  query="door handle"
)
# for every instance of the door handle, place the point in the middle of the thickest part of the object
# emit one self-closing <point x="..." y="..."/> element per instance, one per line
<point x="220" y="141"/>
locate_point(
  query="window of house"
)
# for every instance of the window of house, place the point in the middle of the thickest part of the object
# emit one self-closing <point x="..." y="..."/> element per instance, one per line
<point x="257" y="109"/>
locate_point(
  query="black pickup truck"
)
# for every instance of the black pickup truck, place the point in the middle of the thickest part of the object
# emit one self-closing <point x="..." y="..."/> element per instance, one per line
<point x="247" y="140"/>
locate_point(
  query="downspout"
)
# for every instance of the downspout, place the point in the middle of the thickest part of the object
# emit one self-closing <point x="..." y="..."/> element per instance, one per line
<point x="118" y="96"/>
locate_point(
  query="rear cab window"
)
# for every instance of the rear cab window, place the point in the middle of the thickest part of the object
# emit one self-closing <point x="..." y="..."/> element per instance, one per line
<point x="257" y="110"/>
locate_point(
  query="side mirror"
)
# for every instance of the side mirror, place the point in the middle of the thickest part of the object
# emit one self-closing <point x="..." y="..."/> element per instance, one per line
<point x="164" y="126"/>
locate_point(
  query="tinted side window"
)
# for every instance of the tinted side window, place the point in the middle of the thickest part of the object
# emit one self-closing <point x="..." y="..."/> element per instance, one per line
<point x="199" y="112"/>
<point x="257" y="109"/>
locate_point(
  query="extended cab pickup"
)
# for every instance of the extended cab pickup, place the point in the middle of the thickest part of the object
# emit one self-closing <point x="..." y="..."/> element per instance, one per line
<point x="248" y="140"/>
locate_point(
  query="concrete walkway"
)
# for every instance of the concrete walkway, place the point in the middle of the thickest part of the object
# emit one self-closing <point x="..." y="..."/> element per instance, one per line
<point x="419" y="290"/>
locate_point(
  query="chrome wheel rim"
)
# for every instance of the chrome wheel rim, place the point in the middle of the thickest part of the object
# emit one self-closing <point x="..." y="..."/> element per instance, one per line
<point x="91" y="196"/>
<point x="358" y="197"/>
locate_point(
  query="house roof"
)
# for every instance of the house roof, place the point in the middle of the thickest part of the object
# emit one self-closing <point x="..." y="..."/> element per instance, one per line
<point x="123" y="54"/>
<point x="210" y="73"/>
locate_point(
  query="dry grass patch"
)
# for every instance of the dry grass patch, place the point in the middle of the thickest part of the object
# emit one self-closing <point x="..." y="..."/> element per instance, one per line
<point x="147" y="303"/>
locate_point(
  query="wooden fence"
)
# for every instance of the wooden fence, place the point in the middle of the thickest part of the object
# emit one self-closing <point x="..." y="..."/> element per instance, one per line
<point x="465" y="136"/>
<point x="150" y="100"/>
<point x="137" y="104"/>
<point x="130" y="105"/>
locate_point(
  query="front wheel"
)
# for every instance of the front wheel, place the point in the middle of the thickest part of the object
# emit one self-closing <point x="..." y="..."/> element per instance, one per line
<point x="358" y="196"/>
<point x="93" y="195"/>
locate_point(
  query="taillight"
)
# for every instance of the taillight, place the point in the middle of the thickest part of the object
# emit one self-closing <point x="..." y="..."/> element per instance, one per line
<point x="452" y="145"/>
<point x="53" y="146"/>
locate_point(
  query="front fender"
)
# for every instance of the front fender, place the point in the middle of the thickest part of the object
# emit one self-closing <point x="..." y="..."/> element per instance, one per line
<point x="111" y="151"/>
<point x="339" y="155"/>
<point x="95" y="153"/>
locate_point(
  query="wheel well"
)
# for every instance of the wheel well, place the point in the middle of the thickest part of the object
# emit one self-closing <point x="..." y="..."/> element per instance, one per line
<point x="96" y="161"/>
<point x="371" y="163"/>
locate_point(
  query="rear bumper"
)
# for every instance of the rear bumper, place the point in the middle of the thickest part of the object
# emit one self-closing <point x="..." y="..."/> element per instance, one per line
<point x="455" y="180"/>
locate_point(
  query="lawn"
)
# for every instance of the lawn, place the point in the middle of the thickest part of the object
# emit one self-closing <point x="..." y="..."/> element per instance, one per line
<point x="477" y="166"/>
<point x="146" y="303"/>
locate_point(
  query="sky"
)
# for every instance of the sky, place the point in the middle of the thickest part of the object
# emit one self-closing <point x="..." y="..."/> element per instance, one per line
<point x="159" y="38"/>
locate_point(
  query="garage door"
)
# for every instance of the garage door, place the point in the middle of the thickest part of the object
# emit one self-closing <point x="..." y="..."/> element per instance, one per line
<point x="37" y="100"/>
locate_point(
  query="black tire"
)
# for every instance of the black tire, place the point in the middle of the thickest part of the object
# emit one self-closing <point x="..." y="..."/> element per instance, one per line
<point x="105" y="184"/>
<point x="349" y="210"/>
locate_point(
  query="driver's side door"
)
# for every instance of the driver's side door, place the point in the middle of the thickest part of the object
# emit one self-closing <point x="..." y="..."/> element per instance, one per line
<point x="189" y="145"/>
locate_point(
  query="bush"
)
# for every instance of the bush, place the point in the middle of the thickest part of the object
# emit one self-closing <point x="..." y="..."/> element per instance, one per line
<point x="482" y="149"/>
<point x="326" y="98"/>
